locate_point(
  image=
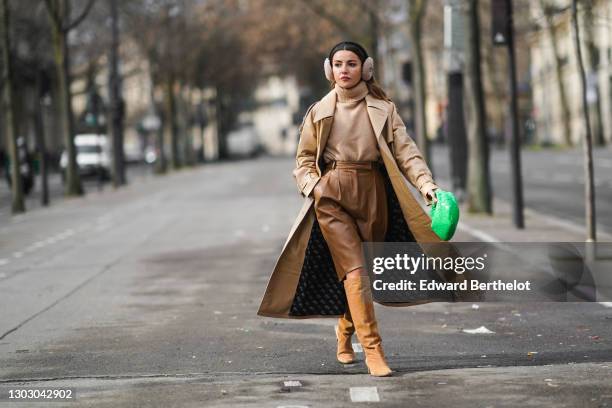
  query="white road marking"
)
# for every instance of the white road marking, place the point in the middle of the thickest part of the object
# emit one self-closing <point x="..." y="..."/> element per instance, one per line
<point x="364" y="394"/>
<point x="357" y="348"/>
<point x="476" y="233"/>
<point x="568" y="225"/>
<point x="3" y="261"/>
<point x="480" y="330"/>
<point x="17" y="254"/>
<point x="606" y="304"/>
<point x="292" y="383"/>
<point x="292" y="406"/>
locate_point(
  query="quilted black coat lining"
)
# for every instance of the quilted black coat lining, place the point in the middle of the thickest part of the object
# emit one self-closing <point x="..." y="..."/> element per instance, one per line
<point x="318" y="291"/>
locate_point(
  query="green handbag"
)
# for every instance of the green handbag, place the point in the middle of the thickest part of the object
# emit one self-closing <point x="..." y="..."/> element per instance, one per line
<point x="444" y="215"/>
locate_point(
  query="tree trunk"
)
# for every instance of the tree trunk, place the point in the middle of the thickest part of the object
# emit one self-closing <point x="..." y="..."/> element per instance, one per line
<point x="62" y="63"/>
<point x="202" y="119"/>
<point x="18" y="205"/>
<point x="186" y="96"/>
<point x="160" y="160"/>
<point x="220" y="114"/>
<point x="417" y="11"/>
<point x="589" y="186"/>
<point x="592" y="56"/>
<point x="170" y="120"/>
<point x="479" y="186"/>
<point x="374" y="30"/>
<point x="116" y="102"/>
<point x="39" y="131"/>
<point x="563" y="104"/>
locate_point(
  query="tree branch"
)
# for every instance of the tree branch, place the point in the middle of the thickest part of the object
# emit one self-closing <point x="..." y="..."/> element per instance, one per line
<point x="322" y="12"/>
<point x="53" y="12"/>
<point x="368" y="7"/>
<point x="81" y="17"/>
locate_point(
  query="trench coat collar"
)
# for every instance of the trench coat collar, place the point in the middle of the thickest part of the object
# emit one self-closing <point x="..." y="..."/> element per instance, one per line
<point x="377" y="110"/>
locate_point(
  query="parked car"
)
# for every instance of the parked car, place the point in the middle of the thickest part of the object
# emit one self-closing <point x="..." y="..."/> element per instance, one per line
<point x="243" y="141"/>
<point x="93" y="156"/>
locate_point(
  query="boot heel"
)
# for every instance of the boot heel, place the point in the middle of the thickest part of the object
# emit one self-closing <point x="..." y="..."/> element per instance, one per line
<point x="359" y="298"/>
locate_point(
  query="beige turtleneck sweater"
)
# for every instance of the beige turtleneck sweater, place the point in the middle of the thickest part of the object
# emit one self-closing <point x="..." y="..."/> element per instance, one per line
<point x="352" y="136"/>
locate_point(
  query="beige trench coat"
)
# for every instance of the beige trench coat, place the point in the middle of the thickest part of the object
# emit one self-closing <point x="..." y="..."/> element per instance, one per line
<point x="403" y="162"/>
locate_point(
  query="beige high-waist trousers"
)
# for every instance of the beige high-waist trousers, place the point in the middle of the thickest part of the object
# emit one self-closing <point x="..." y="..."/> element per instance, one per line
<point x="350" y="203"/>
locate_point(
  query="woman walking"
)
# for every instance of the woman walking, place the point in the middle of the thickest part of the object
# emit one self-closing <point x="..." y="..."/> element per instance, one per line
<point x="352" y="161"/>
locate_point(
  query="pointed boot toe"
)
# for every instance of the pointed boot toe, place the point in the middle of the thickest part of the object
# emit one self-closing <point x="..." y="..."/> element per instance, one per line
<point x="359" y="298"/>
<point x="376" y="363"/>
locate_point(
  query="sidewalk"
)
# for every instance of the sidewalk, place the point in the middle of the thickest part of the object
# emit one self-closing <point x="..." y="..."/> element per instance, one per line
<point x="499" y="227"/>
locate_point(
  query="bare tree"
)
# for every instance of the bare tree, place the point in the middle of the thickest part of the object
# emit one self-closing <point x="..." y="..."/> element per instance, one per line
<point x="592" y="57"/>
<point x="61" y="25"/>
<point x="18" y="205"/>
<point x="346" y="19"/>
<point x="550" y="10"/>
<point x="589" y="185"/>
<point x="116" y="100"/>
<point x="479" y="187"/>
<point x="164" y="31"/>
<point x="32" y="67"/>
<point x="39" y="132"/>
<point x="416" y="10"/>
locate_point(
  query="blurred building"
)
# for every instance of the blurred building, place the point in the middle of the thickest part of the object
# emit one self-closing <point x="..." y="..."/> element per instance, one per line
<point x="143" y="111"/>
<point x="596" y="36"/>
<point x="277" y="100"/>
<point x="396" y="67"/>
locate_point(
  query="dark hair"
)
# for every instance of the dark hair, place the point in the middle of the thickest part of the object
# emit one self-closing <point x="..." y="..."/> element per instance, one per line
<point x="373" y="86"/>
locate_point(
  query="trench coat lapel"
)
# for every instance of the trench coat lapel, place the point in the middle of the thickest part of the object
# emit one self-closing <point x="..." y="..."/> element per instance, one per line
<point x="377" y="112"/>
<point x="325" y="115"/>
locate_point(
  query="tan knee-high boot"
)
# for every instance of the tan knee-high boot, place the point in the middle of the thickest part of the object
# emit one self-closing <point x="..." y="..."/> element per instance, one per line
<point x="359" y="296"/>
<point x="344" y="331"/>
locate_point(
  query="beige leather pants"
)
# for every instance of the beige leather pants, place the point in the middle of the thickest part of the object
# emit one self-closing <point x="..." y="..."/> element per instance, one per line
<point x="350" y="203"/>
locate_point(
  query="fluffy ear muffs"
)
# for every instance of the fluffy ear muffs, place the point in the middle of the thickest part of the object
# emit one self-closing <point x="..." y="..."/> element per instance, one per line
<point x="367" y="69"/>
<point x="328" y="70"/>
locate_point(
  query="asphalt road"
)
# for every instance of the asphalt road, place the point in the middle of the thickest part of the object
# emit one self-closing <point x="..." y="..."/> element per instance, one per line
<point x="147" y="296"/>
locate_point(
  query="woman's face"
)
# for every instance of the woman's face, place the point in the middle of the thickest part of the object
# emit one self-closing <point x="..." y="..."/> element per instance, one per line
<point x="346" y="67"/>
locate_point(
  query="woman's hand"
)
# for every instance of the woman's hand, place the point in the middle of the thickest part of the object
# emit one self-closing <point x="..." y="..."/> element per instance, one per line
<point x="429" y="192"/>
